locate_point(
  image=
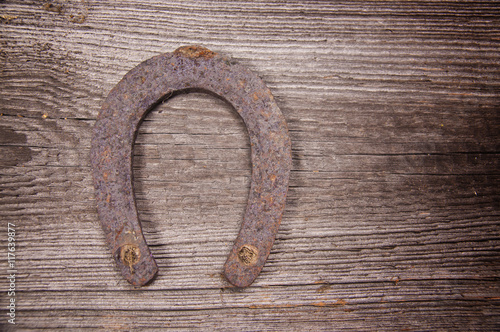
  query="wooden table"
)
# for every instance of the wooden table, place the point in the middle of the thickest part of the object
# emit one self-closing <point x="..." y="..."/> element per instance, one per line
<point x="392" y="218"/>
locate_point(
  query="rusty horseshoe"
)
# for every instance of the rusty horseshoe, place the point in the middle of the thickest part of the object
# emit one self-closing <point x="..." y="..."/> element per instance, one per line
<point x="189" y="68"/>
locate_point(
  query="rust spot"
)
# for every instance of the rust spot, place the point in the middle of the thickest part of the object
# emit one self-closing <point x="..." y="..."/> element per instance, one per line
<point x="319" y="304"/>
<point x="52" y="8"/>
<point x="8" y="18"/>
<point x="341" y="302"/>
<point x="80" y="18"/>
<point x="323" y="304"/>
<point x="323" y="288"/>
<point x="194" y="51"/>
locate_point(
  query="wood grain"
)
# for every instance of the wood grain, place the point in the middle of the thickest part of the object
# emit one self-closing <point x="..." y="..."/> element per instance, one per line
<point x="392" y="218"/>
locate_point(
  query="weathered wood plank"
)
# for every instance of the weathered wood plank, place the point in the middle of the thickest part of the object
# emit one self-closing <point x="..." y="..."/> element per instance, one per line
<point x="392" y="219"/>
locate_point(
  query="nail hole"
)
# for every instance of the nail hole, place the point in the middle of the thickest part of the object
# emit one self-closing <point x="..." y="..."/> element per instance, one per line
<point x="130" y="256"/>
<point x="248" y="254"/>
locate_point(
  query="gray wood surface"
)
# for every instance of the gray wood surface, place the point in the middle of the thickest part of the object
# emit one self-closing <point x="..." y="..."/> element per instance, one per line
<point x="392" y="219"/>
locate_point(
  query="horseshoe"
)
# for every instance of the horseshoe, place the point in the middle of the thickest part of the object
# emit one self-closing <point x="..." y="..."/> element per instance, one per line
<point x="189" y="68"/>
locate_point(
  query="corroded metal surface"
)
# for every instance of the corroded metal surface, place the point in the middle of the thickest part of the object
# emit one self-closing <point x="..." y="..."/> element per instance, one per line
<point x="190" y="68"/>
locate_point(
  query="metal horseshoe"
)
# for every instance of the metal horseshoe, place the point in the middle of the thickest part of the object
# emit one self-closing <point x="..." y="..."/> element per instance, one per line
<point x="190" y="68"/>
